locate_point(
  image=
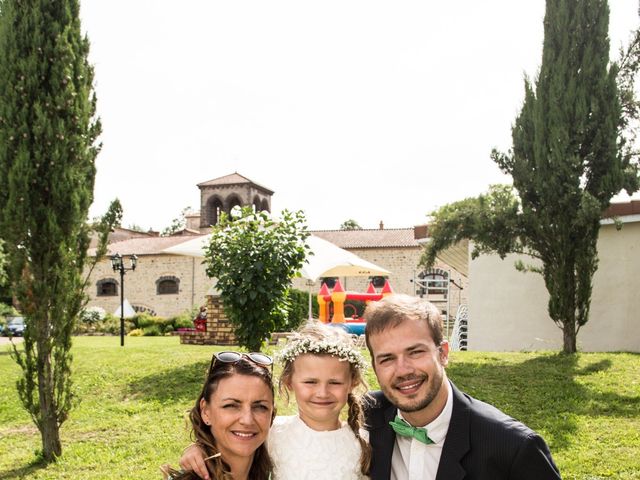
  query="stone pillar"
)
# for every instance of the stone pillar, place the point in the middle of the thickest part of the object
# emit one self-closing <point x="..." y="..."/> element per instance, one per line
<point x="218" y="326"/>
<point x="219" y="329"/>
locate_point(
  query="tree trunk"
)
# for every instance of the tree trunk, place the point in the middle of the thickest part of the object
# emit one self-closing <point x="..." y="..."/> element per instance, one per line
<point x="51" y="446"/>
<point x="569" y="335"/>
<point x="49" y="428"/>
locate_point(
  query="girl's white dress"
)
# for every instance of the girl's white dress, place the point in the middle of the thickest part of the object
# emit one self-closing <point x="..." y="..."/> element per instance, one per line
<point x="300" y="453"/>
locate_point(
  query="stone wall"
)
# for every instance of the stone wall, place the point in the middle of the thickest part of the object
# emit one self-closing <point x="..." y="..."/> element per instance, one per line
<point x="140" y="286"/>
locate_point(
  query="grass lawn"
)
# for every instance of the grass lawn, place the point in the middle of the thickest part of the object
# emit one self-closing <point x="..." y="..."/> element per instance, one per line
<point x="130" y="412"/>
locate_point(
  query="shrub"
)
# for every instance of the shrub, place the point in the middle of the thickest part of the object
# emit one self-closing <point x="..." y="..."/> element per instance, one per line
<point x="136" y="333"/>
<point x="152" y="331"/>
<point x="7" y="310"/>
<point x="142" y="320"/>
<point x="92" y="315"/>
<point x="297" y="309"/>
<point x="184" y="320"/>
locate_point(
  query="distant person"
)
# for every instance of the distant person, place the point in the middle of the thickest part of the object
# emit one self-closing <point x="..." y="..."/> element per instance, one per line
<point x="231" y="418"/>
<point x="421" y="426"/>
<point x="323" y="370"/>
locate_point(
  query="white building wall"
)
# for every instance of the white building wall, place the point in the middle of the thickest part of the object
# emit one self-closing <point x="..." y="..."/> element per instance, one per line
<point x="508" y="309"/>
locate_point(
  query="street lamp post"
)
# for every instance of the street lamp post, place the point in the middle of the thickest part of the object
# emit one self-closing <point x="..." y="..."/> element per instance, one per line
<point x="117" y="262"/>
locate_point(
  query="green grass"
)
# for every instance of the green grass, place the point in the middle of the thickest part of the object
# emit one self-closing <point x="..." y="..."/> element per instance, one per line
<point x="131" y="404"/>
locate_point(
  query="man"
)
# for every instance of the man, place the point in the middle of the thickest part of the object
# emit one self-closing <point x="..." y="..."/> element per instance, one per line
<point x="458" y="437"/>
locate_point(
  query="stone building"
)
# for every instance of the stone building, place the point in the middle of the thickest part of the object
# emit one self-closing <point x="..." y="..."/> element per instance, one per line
<point x="167" y="285"/>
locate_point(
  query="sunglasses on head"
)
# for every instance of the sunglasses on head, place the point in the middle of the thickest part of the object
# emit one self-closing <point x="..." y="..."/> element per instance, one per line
<point x="258" y="358"/>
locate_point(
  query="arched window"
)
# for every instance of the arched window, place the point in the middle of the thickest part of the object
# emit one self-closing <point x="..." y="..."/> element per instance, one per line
<point x="107" y="287"/>
<point x="168" y="285"/>
<point x="435" y="282"/>
<point x="214" y="208"/>
<point x="143" y="309"/>
<point x="232" y="201"/>
<point x="256" y="204"/>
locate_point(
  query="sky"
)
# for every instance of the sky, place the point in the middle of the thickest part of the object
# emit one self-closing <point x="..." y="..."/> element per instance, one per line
<point x="350" y="109"/>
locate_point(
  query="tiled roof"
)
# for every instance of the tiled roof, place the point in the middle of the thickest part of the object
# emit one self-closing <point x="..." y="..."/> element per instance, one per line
<point x="374" y="238"/>
<point x="144" y="245"/>
<point x="232" y="179"/>
<point x="388" y="238"/>
<point x="621" y="209"/>
<point x="120" y="234"/>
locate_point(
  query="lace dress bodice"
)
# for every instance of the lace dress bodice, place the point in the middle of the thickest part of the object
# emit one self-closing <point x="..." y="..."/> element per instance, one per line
<point x="300" y="453"/>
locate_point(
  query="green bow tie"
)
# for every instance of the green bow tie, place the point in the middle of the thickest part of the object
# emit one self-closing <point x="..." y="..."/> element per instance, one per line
<point x="401" y="427"/>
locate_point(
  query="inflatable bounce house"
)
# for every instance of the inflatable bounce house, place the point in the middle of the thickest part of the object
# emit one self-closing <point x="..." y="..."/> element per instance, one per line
<point x="332" y="306"/>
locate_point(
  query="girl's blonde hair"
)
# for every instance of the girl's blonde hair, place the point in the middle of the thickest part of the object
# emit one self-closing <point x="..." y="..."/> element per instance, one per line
<point x="318" y="339"/>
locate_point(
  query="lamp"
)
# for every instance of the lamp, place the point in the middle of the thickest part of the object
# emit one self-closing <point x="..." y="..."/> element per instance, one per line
<point x="117" y="263"/>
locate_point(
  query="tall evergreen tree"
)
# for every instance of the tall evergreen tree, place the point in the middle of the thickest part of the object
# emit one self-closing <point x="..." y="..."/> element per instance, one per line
<point x="48" y="132"/>
<point x="568" y="160"/>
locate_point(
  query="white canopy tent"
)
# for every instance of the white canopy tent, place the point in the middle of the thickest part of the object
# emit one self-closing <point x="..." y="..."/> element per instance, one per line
<point x="325" y="260"/>
<point x="129" y="312"/>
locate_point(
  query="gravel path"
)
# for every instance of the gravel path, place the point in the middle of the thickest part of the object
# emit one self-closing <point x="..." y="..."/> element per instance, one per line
<point x="5" y="340"/>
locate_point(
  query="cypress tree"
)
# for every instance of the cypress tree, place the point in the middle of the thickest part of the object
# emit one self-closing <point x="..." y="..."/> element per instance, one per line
<point x="568" y="160"/>
<point x="48" y="133"/>
<point x="565" y="162"/>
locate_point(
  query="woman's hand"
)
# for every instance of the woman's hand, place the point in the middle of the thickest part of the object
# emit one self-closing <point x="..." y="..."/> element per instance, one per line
<point x="193" y="459"/>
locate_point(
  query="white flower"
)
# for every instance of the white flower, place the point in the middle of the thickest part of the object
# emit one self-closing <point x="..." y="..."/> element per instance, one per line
<point x="341" y="350"/>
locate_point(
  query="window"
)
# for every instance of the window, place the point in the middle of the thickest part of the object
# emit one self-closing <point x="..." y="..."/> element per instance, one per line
<point x="330" y="282"/>
<point x="107" y="287"/>
<point x="167" y="285"/>
<point x="378" y="282"/>
<point x="434" y="282"/>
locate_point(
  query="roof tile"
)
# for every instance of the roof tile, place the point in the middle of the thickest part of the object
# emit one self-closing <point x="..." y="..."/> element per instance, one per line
<point x="232" y="179"/>
<point x="370" y="238"/>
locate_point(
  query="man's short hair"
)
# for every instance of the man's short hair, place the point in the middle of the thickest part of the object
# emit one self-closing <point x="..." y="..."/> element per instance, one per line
<point x="392" y="310"/>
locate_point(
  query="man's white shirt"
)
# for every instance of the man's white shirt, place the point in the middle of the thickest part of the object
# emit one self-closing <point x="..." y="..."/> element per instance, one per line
<point x="412" y="459"/>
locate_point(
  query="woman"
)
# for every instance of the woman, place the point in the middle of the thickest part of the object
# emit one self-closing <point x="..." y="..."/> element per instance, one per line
<point x="232" y="417"/>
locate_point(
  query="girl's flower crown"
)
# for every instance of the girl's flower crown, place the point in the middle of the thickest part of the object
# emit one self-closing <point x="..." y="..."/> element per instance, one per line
<point x="301" y="345"/>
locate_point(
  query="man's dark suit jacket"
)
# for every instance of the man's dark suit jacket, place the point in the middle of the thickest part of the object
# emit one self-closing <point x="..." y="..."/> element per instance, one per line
<point x="482" y="443"/>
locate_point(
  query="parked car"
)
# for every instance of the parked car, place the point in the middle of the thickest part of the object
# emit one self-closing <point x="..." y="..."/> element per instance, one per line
<point x="15" y="326"/>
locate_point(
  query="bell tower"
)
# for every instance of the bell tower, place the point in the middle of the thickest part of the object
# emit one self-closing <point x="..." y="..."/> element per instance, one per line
<point x="222" y="194"/>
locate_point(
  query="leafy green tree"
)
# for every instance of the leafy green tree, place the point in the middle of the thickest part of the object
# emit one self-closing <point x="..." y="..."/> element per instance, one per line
<point x="569" y="158"/>
<point x="350" y="224"/>
<point x="177" y="224"/>
<point x="5" y="295"/>
<point x="48" y="133"/>
<point x="253" y="257"/>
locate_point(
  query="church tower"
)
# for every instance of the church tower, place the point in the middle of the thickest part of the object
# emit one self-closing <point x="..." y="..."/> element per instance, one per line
<point x="223" y="193"/>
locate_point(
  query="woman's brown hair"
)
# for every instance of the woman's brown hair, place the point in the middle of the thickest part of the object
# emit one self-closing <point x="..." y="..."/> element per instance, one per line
<point x="201" y="435"/>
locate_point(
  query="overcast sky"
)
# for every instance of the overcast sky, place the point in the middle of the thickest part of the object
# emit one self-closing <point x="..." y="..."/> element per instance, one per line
<point x="346" y="109"/>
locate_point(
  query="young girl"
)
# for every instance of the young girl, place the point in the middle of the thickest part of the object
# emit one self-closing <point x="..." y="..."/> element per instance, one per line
<point x="324" y="371"/>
